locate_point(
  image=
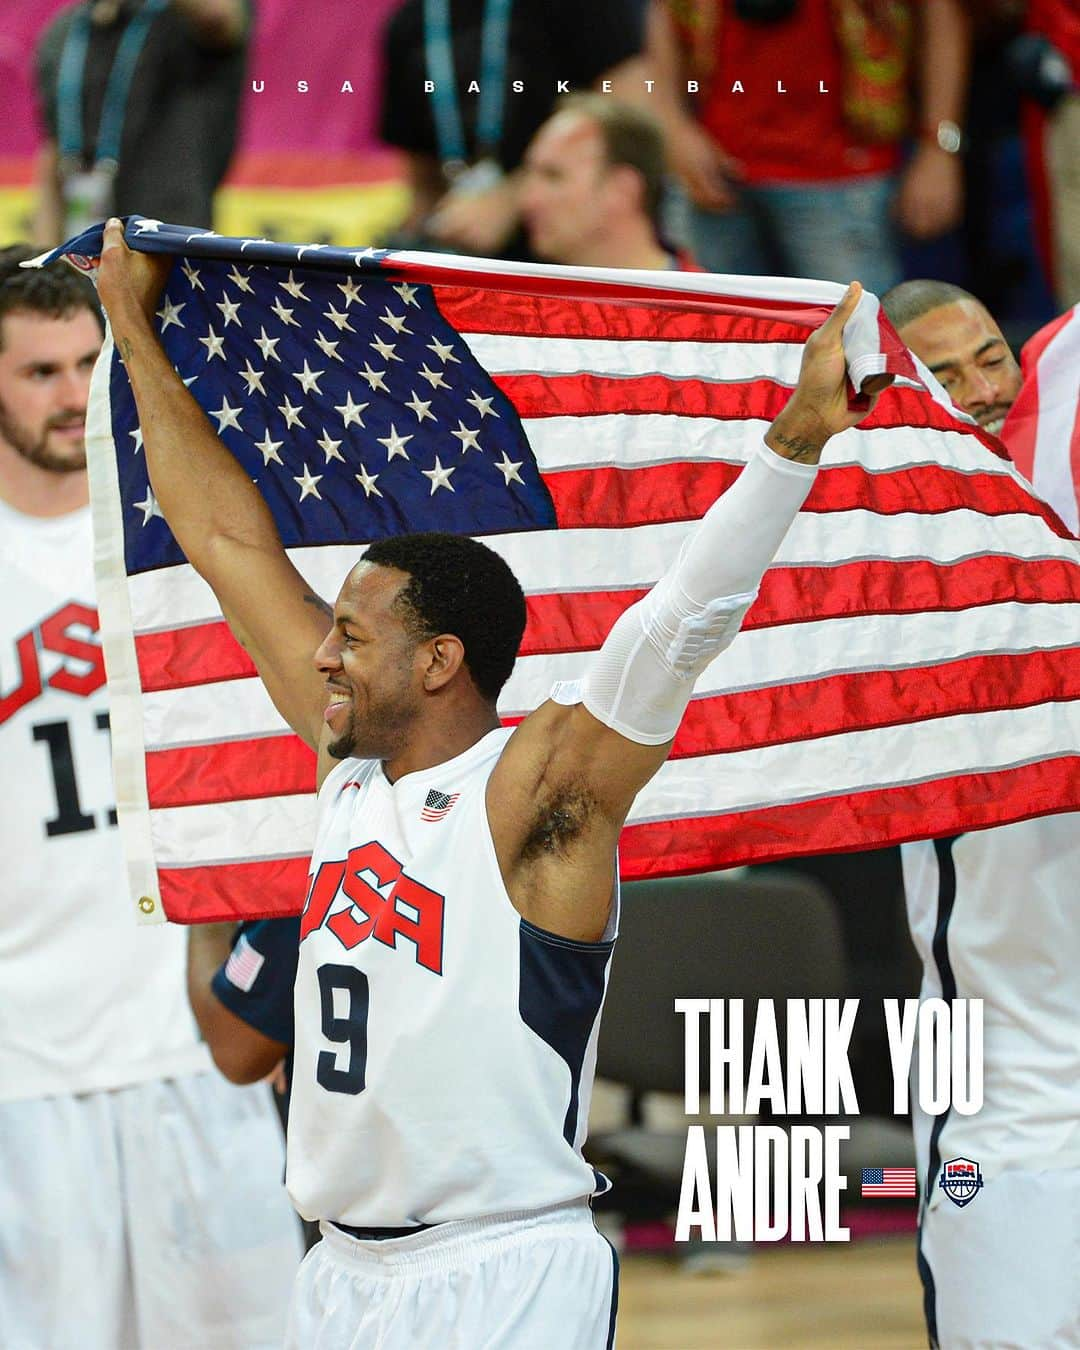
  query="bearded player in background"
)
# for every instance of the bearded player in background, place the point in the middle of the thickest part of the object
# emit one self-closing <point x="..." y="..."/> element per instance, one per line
<point x="140" y="1195"/>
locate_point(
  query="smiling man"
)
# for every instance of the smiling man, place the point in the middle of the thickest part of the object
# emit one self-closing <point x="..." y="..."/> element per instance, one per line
<point x="957" y="337"/>
<point x="463" y="899"/>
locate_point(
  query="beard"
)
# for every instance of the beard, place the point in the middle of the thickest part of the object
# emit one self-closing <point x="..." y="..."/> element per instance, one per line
<point x="381" y="732"/>
<point x="33" y="445"/>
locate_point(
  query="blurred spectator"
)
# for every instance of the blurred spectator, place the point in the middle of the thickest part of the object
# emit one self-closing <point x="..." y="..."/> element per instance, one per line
<point x="139" y="100"/>
<point x="464" y="147"/>
<point x="1046" y="66"/>
<point x="993" y="916"/>
<point x="791" y="153"/>
<point x="592" y="187"/>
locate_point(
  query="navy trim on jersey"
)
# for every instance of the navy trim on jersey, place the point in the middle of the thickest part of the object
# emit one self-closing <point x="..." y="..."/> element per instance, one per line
<point x="614" y="1295"/>
<point x="561" y="988"/>
<point x="268" y="1004"/>
<point x="943" y="848"/>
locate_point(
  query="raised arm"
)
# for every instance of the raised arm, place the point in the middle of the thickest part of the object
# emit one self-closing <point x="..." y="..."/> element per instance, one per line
<point x="568" y="777"/>
<point x="212" y="507"/>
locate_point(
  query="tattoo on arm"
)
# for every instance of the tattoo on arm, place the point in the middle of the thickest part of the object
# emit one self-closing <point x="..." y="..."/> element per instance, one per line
<point x="799" y="448"/>
<point x="320" y="604"/>
<point x="125" y="349"/>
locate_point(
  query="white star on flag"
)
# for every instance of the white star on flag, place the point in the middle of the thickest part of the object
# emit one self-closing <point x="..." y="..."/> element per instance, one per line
<point x="252" y="378"/>
<point x="136" y="436"/>
<point x="309" y="379"/>
<point x="226" y="416"/>
<point x="327" y="347"/>
<point x="350" y="411"/>
<point x="192" y="275"/>
<point x="284" y="314"/>
<point x="395" y="321"/>
<point x="350" y="289"/>
<point x="149" y="507"/>
<point x="433" y="377"/>
<point x="340" y="319"/>
<point x="375" y="378"/>
<point x="291" y="414"/>
<point x="468" y="438"/>
<point x="367" y="482"/>
<point x="308" y="484"/>
<point x="238" y="279"/>
<point x="395" y="444"/>
<point x="170" y="313"/>
<point x="269" y="449"/>
<point x="509" y="470"/>
<point x="295" y="288"/>
<point x="267" y="345"/>
<point x="419" y="407"/>
<point x="330" y="448"/>
<point x="439" y="476"/>
<point x="215" y="346"/>
<point x="230" y="310"/>
<point x="385" y="349"/>
<point x="443" y="350"/>
<point x="482" y="405"/>
<point x="407" y="294"/>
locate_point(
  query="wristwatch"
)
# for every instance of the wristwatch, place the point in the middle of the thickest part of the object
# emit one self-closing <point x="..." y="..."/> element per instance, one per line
<point x="947" y="136"/>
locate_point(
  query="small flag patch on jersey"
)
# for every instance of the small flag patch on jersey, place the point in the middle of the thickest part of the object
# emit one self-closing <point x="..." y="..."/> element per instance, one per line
<point x="880" y="1182"/>
<point x="438" y="804"/>
<point x="243" y="966"/>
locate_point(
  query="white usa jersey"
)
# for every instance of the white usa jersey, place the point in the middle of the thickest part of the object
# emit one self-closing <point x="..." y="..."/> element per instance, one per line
<point x="445" y="1047"/>
<point x="89" y="1001"/>
<point x="994" y="915"/>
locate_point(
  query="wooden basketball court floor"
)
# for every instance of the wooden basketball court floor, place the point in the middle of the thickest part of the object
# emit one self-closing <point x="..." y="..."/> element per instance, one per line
<point x="863" y="1295"/>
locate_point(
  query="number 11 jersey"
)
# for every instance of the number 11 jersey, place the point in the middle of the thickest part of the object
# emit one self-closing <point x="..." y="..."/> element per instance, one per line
<point x="445" y="1048"/>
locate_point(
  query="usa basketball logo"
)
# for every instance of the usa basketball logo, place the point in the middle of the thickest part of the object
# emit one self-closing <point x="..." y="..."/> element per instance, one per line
<point x="961" y="1180"/>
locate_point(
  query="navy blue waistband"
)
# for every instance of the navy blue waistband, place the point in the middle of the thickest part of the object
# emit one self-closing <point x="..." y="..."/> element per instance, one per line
<point x="381" y="1234"/>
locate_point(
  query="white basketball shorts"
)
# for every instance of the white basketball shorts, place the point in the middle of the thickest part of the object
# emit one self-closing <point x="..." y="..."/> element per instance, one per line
<point x="544" y="1280"/>
<point x="151" y="1217"/>
<point x="1004" y="1270"/>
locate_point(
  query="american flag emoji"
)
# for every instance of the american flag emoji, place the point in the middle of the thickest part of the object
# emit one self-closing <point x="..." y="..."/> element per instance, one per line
<point x="438" y="804"/>
<point x="880" y="1182"/>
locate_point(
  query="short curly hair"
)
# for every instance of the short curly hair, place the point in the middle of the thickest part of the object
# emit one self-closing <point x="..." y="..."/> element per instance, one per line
<point x="57" y="292"/>
<point x="462" y="587"/>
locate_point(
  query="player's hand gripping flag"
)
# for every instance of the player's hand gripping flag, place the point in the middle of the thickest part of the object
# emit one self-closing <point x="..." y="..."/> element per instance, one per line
<point x="909" y="668"/>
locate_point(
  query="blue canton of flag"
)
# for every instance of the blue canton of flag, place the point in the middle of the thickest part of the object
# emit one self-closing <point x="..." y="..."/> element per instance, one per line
<point x="352" y="403"/>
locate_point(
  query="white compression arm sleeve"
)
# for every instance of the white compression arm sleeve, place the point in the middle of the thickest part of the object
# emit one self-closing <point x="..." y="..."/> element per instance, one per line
<point x="641" y="679"/>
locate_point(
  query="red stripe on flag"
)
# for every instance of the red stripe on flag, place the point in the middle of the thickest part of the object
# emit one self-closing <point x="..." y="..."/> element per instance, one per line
<point x="271" y="766"/>
<point x="966" y="802"/>
<point x="579" y="621"/>
<point x="180" y="657"/>
<point x="584" y="395"/>
<point x="262" y="766"/>
<point x="472" y="311"/>
<point x="276" y="889"/>
<point x="615" y="498"/>
<point x="220" y="893"/>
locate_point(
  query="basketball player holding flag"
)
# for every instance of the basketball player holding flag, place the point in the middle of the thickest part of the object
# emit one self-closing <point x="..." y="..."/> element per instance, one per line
<point x="463" y="902"/>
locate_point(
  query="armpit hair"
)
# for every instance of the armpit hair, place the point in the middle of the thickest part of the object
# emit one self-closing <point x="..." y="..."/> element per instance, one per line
<point x="559" y="821"/>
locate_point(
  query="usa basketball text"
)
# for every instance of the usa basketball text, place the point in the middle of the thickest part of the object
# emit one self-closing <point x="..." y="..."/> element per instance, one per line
<point x="561" y="86"/>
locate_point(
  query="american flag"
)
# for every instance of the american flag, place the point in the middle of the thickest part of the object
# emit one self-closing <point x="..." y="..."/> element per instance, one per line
<point x="907" y="670"/>
<point x="1042" y="429"/>
<point x="880" y="1182"/>
<point x="437" y="804"/>
<point x="244" y="963"/>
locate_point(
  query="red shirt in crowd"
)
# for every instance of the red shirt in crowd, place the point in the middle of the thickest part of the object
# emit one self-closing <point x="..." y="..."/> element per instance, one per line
<point x="795" y="136"/>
